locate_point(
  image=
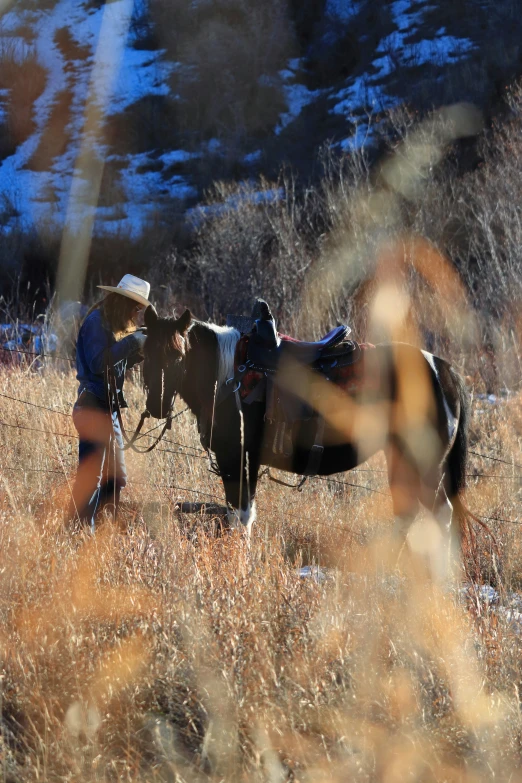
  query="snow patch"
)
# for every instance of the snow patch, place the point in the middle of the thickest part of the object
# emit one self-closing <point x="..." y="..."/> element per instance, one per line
<point x="200" y="213"/>
<point x="141" y="73"/>
<point x="317" y="574"/>
<point x="252" y="157"/>
<point x="363" y="136"/>
<point x="297" y="95"/>
<point x="406" y="19"/>
<point x="175" y="156"/>
<point x="368" y="91"/>
<point x="487" y="600"/>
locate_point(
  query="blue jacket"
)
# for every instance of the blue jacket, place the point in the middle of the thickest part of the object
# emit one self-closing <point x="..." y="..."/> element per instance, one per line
<point x="94" y="339"/>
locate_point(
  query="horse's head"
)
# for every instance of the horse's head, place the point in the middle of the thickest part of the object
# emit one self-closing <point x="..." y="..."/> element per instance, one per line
<point x="165" y="349"/>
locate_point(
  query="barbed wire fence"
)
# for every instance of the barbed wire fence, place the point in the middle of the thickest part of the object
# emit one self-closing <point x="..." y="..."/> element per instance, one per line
<point x="192" y="452"/>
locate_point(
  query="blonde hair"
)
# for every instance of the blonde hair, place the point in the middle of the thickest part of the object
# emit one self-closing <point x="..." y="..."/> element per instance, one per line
<point x="118" y="311"/>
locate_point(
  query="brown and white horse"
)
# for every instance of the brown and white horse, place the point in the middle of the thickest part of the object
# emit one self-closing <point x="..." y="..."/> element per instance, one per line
<point x="412" y="404"/>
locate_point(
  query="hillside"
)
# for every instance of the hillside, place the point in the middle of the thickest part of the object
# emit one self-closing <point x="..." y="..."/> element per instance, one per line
<point x="126" y="112"/>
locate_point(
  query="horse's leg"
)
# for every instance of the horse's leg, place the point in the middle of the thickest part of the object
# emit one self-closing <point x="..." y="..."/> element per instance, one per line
<point x="239" y="482"/>
<point x="242" y="510"/>
<point x="252" y="469"/>
<point x="405" y="487"/>
<point x="405" y="484"/>
<point x="446" y="557"/>
<point x="237" y="447"/>
<point x="441" y="547"/>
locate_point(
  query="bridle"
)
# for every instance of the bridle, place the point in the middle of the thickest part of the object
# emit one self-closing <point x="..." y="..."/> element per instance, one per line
<point x="114" y="406"/>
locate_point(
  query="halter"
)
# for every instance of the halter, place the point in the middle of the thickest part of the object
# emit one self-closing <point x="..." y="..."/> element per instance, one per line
<point x="112" y="394"/>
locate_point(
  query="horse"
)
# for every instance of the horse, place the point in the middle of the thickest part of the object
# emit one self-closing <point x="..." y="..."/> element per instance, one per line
<point x="412" y="405"/>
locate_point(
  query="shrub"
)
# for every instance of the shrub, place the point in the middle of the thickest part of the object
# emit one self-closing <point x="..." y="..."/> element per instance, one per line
<point x="150" y="123"/>
<point x="230" y="56"/>
<point x="252" y="241"/>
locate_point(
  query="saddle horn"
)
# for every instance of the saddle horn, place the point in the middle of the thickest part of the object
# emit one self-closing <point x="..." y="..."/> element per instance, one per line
<point x="264" y="324"/>
<point x="261" y="311"/>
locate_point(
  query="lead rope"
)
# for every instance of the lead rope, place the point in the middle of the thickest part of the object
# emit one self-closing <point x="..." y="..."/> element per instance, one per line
<point x="299" y="486"/>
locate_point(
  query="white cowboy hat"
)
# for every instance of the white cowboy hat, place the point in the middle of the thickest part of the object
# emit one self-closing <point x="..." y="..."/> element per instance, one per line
<point x="132" y="287"/>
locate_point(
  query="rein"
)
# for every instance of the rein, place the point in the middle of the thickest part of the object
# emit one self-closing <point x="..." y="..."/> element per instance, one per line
<point x="112" y="394"/>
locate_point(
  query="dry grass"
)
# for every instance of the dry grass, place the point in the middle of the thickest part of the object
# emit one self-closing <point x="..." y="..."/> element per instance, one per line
<point x="166" y="653"/>
<point x="159" y="650"/>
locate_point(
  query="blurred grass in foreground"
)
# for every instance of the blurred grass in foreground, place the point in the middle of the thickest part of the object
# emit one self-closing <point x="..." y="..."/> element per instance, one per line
<point x="164" y="653"/>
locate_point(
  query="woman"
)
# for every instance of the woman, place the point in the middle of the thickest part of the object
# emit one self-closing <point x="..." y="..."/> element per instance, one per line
<point x="108" y="336"/>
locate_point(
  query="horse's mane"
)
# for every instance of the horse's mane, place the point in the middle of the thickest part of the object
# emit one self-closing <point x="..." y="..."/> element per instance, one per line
<point x="227" y="338"/>
<point x="168" y="339"/>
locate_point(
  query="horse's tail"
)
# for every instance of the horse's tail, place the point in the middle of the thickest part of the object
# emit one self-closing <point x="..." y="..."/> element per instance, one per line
<point x="456" y="474"/>
<point x="458" y="455"/>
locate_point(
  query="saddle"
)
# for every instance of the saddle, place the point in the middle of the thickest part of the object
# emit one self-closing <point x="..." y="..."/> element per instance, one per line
<point x="259" y="356"/>
<point x="266" y="347"/>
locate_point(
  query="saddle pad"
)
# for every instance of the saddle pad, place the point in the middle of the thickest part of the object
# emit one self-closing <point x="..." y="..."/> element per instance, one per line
<point x="348" y="377"/>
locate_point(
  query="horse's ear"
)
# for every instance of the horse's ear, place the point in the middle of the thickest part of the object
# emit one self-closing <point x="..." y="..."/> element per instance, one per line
<point x="150" y="316"/>
<point x="185" y="321"/>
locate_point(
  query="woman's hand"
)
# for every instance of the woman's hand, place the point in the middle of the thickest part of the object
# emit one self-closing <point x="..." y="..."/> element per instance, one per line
<point x="140" y="335"/>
